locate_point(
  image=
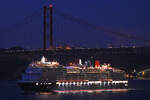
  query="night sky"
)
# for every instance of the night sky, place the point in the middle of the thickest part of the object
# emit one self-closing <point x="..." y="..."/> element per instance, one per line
<point x="21" y="22"/>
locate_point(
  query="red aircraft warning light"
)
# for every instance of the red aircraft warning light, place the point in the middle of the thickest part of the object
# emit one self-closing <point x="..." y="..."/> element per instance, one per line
<point x="50" y="5"/>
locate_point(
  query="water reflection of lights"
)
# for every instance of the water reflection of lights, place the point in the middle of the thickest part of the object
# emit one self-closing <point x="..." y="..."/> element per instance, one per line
<point x="47" y="96"/>
<point x="45" y="93"/>
<point x="91" y="91"/>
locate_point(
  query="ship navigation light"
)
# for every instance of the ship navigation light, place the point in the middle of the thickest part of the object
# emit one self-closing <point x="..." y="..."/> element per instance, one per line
<point x="37" y="83"/>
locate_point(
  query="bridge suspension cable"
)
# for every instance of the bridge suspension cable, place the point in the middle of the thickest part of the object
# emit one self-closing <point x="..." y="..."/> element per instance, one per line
<point x="37" y="13"/>
<point x="100" y="28"/>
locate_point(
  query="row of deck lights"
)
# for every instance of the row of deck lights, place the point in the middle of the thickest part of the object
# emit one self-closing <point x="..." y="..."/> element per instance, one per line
<point x="90" y="83"/>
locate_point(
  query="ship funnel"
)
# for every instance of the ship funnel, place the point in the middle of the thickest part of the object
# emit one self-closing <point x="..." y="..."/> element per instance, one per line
<point x="97" y="63"/>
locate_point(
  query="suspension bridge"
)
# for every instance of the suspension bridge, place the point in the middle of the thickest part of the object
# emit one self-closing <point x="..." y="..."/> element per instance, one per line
<point x="67" y="30"/>
<point x="87" y="40"/>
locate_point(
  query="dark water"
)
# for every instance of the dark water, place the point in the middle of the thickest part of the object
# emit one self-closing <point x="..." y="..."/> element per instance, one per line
<point x="10" y="91"/>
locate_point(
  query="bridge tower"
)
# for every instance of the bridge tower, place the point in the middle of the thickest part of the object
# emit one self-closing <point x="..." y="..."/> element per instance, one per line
<point x="44" y="28"/>
<point x="51" y="25"/>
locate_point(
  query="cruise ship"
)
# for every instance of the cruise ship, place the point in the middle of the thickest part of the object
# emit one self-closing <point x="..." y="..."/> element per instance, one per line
<point x="46" y="76"/>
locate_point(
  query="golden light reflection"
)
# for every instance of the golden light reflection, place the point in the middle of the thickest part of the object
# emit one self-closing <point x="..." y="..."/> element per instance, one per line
<point x="90" y="91"/>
